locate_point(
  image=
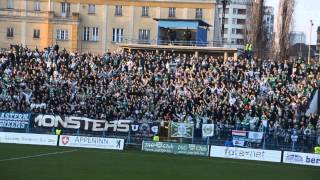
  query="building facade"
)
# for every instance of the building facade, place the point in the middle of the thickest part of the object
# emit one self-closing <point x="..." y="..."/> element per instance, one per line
<point x="268" y="20"/>
<point x="297" y="37"/>
<point x="235" y="22"/>
<point x="100" y="25"/>
<point x="318" y="41"/>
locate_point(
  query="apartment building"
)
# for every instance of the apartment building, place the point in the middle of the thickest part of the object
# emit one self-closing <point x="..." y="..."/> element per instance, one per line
<point x="318" y="42"/>
<point x="235" y="22"/>
<point x="99" y="25"/>
<point x="297" y="37"/>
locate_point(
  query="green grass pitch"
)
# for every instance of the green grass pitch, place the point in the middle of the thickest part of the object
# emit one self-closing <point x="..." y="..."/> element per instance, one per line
<point x="25" y="162"/>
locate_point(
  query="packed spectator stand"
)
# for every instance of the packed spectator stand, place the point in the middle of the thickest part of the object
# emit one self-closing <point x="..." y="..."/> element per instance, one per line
<point x="244" y="94"/>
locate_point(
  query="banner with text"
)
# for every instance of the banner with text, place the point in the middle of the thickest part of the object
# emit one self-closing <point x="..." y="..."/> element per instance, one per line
<point x="147" y="129"/>
<point x="245" y="153"/>
<point x="301" y="158"/>
<point x="26" y="138"/>
<point x="14" y="120"/>
<point x="91" y="142"/>
<point x="181" y="130"/>
<point x="175" y="148"/>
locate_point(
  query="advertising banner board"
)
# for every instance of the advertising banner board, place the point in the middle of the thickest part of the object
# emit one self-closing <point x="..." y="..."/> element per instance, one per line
<point x="26" y="138"/>
<point x="175" y="148"/>
<point x="91" y="142"/>
<point x="245" y="153"/>
<point x="301" y="158"/>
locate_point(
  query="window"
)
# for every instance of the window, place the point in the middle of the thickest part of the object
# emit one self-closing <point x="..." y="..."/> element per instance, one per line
<point x="95" y="33"/>
<point x="117" y="35"/>
<point x="145" y="11"/>
<point x="10" y="4"/>
<point x="36" y="6"/>
<point x="225" y="40"/>
<point x="65" y="9"/>
<point x="92" y="9"/>
<point x="241" y="21"/>
<point x="240" y="41"/>
<point x="118" y="11"/>
<point x="36" y="33"/>
<point x="239" y="31"/>
<point x="225" y="31"/>
<point x="227" y="11"/>
<point x="242" y="11"/>
<point x="234" y="21"/>
<point x="172" y="12"/>
<point x="9" y="32"/>
<point x="234" y="30"/>
<point x="86" y="34"/>
<point x="235" y="11"/>
<point x="199" y="13"/>
<point x="62" y="34"/>
<point x="225" y="21"/>
<point x="144" y="35"/>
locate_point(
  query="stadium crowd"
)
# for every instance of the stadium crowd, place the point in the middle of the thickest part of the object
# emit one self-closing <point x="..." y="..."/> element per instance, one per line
<point x="149" y="86"/>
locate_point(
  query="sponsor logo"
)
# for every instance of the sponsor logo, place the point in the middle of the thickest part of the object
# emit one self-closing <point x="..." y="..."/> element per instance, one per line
<point x="312" y="160"/>
<point x="294" y="158"/>
<point x="245" y="153"/>
<point x="65" y="140"/>
<point x="92" y="142"/>
<point x="301" y="158"/>
<point x="249" y="153"/>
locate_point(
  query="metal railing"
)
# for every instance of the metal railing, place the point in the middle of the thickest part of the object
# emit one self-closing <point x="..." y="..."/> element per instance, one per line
<point x="182" y="43"/>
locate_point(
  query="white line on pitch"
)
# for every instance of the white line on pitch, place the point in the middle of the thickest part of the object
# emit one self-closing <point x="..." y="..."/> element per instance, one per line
<point x="39" y="155"/>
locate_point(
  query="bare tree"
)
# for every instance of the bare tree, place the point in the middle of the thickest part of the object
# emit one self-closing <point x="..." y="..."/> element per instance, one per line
<point x="284" y="26"/>
<point x="255" y="32"/>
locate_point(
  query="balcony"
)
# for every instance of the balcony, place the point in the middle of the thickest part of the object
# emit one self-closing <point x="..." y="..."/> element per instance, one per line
<point x="65" y="16"/>
<point x="19" y="13"/>
<point x="22" y="13"/>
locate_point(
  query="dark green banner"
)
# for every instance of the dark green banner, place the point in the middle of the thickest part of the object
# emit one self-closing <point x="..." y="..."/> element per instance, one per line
<point x="176" y="148"/>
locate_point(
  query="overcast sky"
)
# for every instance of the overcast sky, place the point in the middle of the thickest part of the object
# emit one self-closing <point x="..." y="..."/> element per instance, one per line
<point x="305" y="11"/>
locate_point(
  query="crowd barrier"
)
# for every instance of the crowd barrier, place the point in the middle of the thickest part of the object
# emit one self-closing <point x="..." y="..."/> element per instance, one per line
<point x="163" y="147"/>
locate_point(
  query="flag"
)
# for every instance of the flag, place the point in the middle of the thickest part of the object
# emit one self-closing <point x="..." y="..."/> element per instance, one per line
<point x="207" y="130"/>
<point x="239" y="133"/>
<point x="255" y="136"/>
<point x="239" y="138"/>
<point x="184" y="130"/>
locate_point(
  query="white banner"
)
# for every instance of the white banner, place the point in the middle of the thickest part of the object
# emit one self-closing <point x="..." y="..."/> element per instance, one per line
<point x="26" y="138"/>
<point x="256" y="136"/>
<point x="245" y="153"/>
<point x="91" y="142"/>
<point x="301" y="158"/>
<point x="207" y="130"/>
